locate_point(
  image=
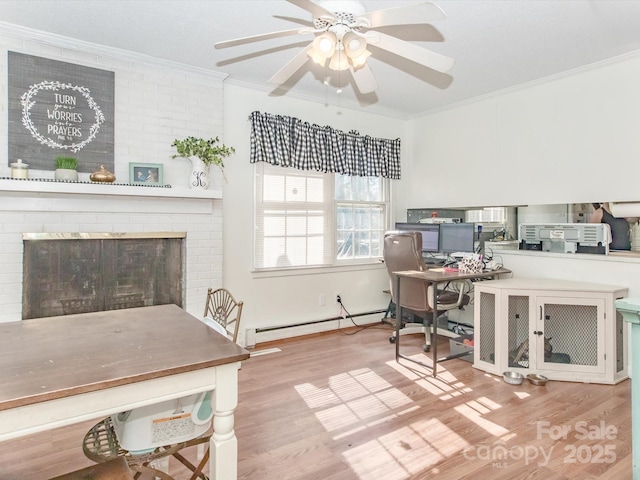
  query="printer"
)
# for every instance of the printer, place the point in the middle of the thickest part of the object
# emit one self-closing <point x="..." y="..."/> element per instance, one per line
<point x="565" y="237"/>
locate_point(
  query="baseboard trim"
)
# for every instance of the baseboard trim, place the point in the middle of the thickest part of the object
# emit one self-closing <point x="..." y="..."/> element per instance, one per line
<point x="279" y="332"/>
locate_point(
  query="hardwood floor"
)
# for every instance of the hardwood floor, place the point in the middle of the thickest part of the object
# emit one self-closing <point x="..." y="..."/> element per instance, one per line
<point x="336" y="406"/>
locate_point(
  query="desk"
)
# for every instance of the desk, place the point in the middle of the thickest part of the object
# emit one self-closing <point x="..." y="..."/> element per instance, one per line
<point x="62" y="370"/>
<point x="434" y="277"/>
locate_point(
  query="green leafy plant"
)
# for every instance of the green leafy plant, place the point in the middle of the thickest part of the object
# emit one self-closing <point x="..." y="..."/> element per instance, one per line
<point x="206" y="150"/>
<point x="67" y="163"/>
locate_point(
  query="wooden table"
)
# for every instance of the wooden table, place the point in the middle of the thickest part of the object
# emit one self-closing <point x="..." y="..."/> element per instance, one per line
<point x="434" y="277"/>
<point x="57" y="371"/>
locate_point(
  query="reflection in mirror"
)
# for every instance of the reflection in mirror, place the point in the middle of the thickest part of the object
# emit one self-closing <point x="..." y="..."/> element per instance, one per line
<point x="499" y="225"/>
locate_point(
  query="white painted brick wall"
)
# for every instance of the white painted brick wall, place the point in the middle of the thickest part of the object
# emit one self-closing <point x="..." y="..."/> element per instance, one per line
<point x="155" y="102"/>
<point x="199" y="218"/>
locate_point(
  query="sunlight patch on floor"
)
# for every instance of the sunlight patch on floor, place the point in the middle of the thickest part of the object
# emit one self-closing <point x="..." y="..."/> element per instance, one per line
<point x="352" y="403"/>
<point x="445" y="386"/>
<point x="489" y="403"/>
<point x="470" y="411"/>
<point x="405" y="452"/>
<point x="351" y="397"/>
<point x="376" y="422"/>
<point x="266" y="351"/>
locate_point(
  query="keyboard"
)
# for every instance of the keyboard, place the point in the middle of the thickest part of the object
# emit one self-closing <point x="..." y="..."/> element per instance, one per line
<point x="434" y="261"/>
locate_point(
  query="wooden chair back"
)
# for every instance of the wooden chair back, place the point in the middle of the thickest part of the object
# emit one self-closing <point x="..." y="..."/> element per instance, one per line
<point x="224" y="309"/>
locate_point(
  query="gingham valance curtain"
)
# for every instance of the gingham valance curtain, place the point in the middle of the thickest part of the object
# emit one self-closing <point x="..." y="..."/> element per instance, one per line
<point x="290" y="142"/>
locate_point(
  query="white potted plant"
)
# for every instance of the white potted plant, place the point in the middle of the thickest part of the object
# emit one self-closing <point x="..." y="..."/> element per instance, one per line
<point x="66" y="169"/>
<point x="202" y="154"/>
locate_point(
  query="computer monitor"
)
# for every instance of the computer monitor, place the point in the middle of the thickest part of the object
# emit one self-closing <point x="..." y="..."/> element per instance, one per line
<point x="457" y="237"/>
<point x="430" y="234"/>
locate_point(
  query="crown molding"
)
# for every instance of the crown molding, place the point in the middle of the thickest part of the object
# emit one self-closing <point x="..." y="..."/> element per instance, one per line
<point x="53" y="40"/>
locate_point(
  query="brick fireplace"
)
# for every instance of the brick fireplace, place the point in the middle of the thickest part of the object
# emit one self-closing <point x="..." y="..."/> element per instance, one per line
<point x="67" y="273"/>
<point x="39" y="209"/>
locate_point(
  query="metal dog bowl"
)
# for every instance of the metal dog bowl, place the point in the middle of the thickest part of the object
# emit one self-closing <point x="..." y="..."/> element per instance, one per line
<point x="514" y="378"/>
<point x="537" y="379"/>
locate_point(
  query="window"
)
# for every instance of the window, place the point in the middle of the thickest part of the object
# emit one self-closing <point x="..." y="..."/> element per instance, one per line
<point x="308" y="218"/>
<point x="487" y="215"/>
<point x="361" y="216"/>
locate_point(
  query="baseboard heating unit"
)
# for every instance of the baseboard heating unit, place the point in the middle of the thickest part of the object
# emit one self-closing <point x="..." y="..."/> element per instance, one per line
<point x="277" y="332"/>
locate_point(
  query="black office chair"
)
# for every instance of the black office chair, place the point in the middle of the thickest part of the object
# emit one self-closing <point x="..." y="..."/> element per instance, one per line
<point x="403" y="251"/>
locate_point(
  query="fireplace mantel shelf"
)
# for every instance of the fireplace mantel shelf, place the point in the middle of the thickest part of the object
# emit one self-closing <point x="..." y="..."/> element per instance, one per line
<point x="34" y="186"/>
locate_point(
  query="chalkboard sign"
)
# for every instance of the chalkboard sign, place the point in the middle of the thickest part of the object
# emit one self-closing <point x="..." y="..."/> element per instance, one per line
<point x="59" y="109"/>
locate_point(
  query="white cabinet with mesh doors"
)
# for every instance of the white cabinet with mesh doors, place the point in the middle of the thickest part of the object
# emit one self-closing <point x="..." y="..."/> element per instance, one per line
<point x="563" y="330"/>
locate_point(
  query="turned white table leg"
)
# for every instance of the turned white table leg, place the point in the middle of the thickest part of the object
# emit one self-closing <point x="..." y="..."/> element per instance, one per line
<point x="223" y="464"/>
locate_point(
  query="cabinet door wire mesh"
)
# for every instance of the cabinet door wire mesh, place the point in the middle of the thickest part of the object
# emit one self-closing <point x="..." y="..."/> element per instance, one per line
<point x="619" y="342"/>
<point x="518" y="331"/>
<point x="570" y="334"/>
<point x="488" y="327"/>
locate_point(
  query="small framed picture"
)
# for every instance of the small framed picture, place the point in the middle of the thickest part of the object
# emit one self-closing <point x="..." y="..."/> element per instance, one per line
<point x="147" y="173"/>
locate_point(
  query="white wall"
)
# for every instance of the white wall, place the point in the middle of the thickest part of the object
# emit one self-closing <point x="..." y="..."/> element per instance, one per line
<point x="293" y="298"/>
<point x="570" y="139"/>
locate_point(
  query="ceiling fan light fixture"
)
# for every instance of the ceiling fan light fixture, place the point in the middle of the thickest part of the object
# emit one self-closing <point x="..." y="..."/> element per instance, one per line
<point x="339" y="61"/>
<point x="317" y="58"/>
<point x="354" y="45"/>
<point x="323" y="47"/>
<point x="343" y="31"/>
<point x="360" y="61"/>
<point x="326" y="44"/>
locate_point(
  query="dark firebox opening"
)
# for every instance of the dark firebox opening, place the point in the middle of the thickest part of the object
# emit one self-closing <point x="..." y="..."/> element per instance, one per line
<point x="62" y="277"/>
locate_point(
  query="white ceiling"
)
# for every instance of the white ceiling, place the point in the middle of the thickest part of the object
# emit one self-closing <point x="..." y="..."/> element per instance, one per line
<point x="497" y="44"/>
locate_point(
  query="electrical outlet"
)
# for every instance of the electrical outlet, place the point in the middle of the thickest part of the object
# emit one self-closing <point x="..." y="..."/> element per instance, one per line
<point x="322" y="300"/>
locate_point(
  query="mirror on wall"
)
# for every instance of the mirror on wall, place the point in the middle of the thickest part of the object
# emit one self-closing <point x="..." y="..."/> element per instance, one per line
<point x="499" y="225"/>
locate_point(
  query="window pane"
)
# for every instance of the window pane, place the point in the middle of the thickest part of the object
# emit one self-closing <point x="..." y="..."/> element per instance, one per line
<point x="315" y="190"/>
<point x="294" y="218"/>
<point x="344" y="217"/>
<point x="297" y="250"/>
<point x="274" y="250"/>
<point x="296" y="189"/>
<point x="487" y="215"/>
<point x="362" y="218"/>
<point x="273" y="188"/>
<point x="345" y="244"/>
<point x="375" y="189"/>
<point x="296" y="226"/>
<point x="377" y="218"/>
<point x="316" y="225"/>
<point x="343" y="187"/>
<point x="359" y="189"/>
<point x="362" y="244"/>
<point x="274" y="225"/>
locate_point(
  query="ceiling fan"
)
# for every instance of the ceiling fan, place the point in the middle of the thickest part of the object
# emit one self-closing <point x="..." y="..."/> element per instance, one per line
<point x="343" y="29"/>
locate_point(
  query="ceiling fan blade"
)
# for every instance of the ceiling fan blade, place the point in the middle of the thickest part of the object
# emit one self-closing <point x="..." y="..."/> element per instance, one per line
<point x="263" y="36"/>
<point x="290" y="68"/>
<point x="313" y="8"/>
<point x="365" y="81"/>
<point x="412" y="52"/>
<point x="410" y="14"/>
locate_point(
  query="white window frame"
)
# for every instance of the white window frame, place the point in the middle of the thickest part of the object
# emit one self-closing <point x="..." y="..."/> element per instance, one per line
<point x="329" y="206"/>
